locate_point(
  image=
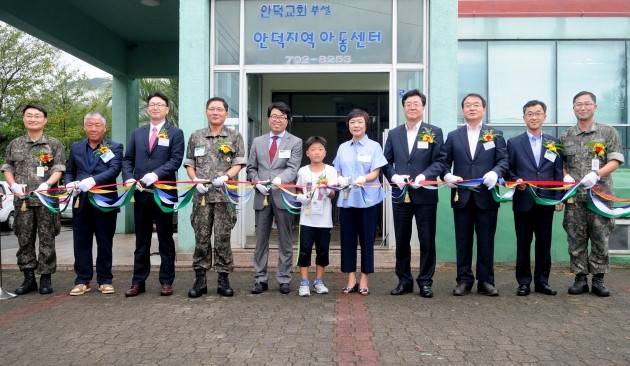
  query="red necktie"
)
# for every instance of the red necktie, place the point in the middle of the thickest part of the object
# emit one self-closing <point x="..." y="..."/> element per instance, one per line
<point x="273" y="148"/>
<point x="152" y="139"/>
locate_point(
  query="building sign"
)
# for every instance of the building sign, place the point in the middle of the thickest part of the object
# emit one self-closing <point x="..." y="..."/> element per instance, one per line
<point x="344" y="32"/>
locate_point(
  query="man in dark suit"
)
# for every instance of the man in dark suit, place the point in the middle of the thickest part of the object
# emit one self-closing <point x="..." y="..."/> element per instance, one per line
<point x="96" y="160"/>
<point x="155" y="152"/>
<point x="274" y="157"/>
<point x="533" y="155"/>
<point x="472" y="151"/>
<point x="413" y="152"/>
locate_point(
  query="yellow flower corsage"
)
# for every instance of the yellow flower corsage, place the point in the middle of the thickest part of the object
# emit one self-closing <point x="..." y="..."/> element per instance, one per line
<point x="103" y="149"/>
<point x="427" y="135"/>
<point x="552" y="146"/>
<point x="44" y="158"/>
<point x="163" y="134"/>
<point x="488" y="135"/>
<point x="598" y="148"/>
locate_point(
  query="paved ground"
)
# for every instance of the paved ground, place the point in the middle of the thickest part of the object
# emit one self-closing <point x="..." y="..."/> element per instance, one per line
<point x="276" y="329"/>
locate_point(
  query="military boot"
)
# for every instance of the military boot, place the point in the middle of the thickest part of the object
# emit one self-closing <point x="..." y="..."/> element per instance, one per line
<point x="45" y="284"/>
<point x="598" y="287"/>
<point x="29" y="284"/>
<point x="223" y="285"/>
<point x="199" y="287"/>
<point x="580" y="285"/>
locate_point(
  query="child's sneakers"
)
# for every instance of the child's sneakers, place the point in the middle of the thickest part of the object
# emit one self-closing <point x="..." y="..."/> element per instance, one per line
<point x="304" y="290"/>
<point x="319" y="286"/>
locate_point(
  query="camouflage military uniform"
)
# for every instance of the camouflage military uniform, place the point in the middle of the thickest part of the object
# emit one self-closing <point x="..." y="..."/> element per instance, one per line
<point x="579" y="222"/>
<point x="209" y="162"/>
<point x="23" y="157"/>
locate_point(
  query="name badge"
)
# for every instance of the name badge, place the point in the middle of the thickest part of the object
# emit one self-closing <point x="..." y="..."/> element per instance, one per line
<point x="40" y="171"/>
<point x="488" y="145"/>
<point x="550" y="156"/>
<point x="284" y="154"/>
<point x="364" y="158"/>
<point x="107" y="156"/>
<point x="200" y="151"/>
<point x="163" y="142"/>
<point x="423" y="144"/>
<point x="595" y="164"/>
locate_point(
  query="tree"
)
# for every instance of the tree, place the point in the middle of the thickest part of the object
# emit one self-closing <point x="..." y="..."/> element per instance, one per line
<point x="25" y="66"/>
<point x="30" y="73"/>
<point x="168" y="87"/>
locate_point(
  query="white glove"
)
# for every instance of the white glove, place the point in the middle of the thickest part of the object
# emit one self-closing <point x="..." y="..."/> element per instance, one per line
<point x="72" y="185"/>
<point x="149" y="179"/>
<point x="360" y="180"/>
<point x="43" y="187"/>
<point x="128" y="182"/>
<point x="490" y="179"/>
<point x="399" y="180"/>
<point x="342" y="181"/>
<point x="302" y="198"/>
<point x="86" y="184"/>
<point x="201" y="187"/>
<point x="450" y="178"/>
<point x="590" y="180"/>
<point x="277" y="181"/>
<point x="262" y="189"/>
<point x="218" y="182"/>
<point x="18" y="189"/>
<point x="568" y="179"/>
<point x="416" y="182"/>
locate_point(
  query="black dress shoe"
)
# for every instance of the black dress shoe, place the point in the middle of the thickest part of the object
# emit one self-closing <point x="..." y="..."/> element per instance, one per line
<point x="284" y="288"/>
<point x="402" y="289"/>
<point x="135" y="290"/>
<point x="545" y="289"/>
<point x="425" y="291"/>
<point x="260" y="287"/>
<point x="167" y="290"/>
<point x="487" y="289"/>
<point x="461" y="289"/>
<point x="523" y="290"/>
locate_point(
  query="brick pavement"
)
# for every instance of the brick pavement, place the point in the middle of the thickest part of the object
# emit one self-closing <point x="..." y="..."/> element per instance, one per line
<point x="277" y="329"/>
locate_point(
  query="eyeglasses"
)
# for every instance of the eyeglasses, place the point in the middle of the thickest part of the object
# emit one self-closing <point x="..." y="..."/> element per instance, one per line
<point x="473" y="105"/>
<point x="218" y="110"/>
<point x="413" y="105"/>
<point x="157" y="105"/>
<point x="531" y="114"/>
<point x="36" y="116"/>
<point x="585" y="105"/>
<point x="278" y="117"/>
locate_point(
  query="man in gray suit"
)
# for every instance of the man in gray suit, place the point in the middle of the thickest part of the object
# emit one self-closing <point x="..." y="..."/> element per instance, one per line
<point x="274" y="158"/>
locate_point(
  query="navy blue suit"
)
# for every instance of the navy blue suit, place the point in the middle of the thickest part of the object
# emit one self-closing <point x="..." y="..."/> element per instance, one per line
<point x="88" y="221"/>
<point x="423" y="203"/>
<point x="474" y="211"/>
<point x="163" y="161"/>
<point x="529" y="217"/>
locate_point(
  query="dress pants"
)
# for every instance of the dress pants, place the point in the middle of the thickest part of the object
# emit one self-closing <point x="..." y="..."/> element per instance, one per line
<point x="264" y="220"/>
<point x="87" y="224"/>
<point x="539" y="221"/>
<point x="145" y="214"/>
<point x="361" y="223"/>
<point x="468" y="220"/>
<point x="425" y="224"/>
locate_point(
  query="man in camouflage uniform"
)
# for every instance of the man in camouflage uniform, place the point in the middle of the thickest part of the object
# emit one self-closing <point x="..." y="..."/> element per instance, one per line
<point x="214" y="154"/>
<point x="592" y="151"/>
<point x="34" y="162"/>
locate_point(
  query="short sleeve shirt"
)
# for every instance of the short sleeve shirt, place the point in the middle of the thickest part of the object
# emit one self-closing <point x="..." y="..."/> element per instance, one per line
<point x="24" y="157"/>
<point x="307" y="177"/>
<point x="578" y="154"/>
<point x="212" y="156"/>
<point x="357" y="159"/>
